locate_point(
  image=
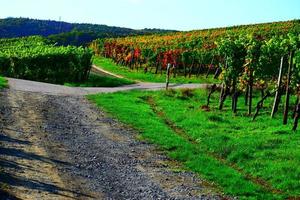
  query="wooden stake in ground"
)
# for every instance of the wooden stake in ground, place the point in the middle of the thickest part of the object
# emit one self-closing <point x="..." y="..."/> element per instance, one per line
<point x="276" y="100"/>
<point x="246" y="95"/>
<point x="235" y="97"/>
<point x="250" y="94"/>
<point x="217" y="73"/>
<point x="260" y="104"/>
<point x="224" y="93"/>
<point x="168" y="75"/>
<point x="295" y="107"/>
<point x="296" y="118"/>
<point x="212" y="90"/>
<point x="287" y="91"/>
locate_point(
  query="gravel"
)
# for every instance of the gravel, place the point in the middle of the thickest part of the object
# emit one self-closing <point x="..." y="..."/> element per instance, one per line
<point x="94" y="156"/>
<point x="46" y="88"/>
<point x="107" y="154"/>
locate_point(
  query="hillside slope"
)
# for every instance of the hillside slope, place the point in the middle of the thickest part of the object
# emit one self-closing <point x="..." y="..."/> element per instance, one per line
<point x="65" y="33"/>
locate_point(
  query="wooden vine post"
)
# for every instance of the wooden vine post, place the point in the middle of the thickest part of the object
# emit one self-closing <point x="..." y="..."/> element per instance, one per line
<point x="250" y="92"/>
<point x="213" y="88"/>
<point x="295" y="107"/>
<point x="260" y="104"/>
<point x="223" y="90"/>
<point x="277" y="94"/>
<point x="168" y="76"/>
<point x="287" y="92"/>
<point x="246" y="95"/>
<point x="296" y="118"/>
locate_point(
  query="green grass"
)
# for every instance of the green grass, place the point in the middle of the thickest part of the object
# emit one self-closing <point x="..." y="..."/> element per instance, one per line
<point x="3" y="82"/>
<point x="233" y="152"/>
<point x="109" y="65"/>
<point x="96" y="80"/>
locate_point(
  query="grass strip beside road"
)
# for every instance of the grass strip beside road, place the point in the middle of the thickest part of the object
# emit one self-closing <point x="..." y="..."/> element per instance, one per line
<point x="96" y="80"/>
<point x="251" y="160"/>
<point x="3" y="82"/>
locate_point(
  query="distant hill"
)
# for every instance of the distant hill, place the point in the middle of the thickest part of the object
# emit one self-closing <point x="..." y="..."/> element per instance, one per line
<point x="65" y="33"/>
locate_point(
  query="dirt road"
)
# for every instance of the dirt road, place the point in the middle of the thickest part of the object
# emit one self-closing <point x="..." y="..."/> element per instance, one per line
<point x="61" y="147"/>
<point x="46" y="88"/>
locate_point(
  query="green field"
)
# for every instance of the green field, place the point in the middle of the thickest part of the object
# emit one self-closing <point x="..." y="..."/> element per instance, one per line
<point x="251" y="160"/>
<point x="96" y="80"/>
<point x="3" y="82"/>
<point x="135" y="75"/>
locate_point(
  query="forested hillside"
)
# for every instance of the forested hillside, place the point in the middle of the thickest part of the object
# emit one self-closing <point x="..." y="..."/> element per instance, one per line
<point x="65" y="33"/>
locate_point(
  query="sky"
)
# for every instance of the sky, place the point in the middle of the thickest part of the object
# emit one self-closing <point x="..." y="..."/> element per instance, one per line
<point x="166" y="14"/>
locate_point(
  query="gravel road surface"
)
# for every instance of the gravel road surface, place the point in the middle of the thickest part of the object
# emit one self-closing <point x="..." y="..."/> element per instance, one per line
<point x="46" y="88"/>
<point x="54" y="144"/>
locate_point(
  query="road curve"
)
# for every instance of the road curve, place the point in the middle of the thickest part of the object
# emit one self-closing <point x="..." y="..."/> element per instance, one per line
<point x="47" y="88"/>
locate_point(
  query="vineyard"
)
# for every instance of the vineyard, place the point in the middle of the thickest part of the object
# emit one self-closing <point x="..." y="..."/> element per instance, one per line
<point x="262" y="57"/>
<point x="34" y="59"/>
<point x="232" y="143"/>
<point x="190" y="52"/>
<point x="234" y="130"/>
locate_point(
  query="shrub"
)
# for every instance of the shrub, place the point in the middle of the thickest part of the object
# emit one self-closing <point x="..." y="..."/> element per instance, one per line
<point x="31" y="58"/>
